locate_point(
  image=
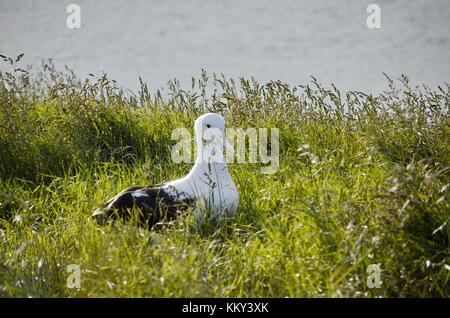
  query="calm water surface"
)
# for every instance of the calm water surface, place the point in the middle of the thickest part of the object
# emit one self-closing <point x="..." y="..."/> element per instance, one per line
<point x="288" y="40"/>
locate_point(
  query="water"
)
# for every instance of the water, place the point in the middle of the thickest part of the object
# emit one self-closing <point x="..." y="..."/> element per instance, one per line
<point x="288" y="40"/>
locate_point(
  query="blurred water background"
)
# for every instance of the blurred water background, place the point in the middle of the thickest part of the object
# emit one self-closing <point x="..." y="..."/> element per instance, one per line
<point x="287" y="40"/>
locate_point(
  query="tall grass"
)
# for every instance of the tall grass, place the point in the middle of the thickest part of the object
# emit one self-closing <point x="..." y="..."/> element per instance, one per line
<point x="362" y="180"/>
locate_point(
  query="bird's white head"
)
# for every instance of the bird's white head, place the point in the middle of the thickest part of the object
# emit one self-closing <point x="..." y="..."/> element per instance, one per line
<point x="210" y="137"/>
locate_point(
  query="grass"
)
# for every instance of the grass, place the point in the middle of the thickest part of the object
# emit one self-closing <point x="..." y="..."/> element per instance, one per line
<point x="362" y="180"/>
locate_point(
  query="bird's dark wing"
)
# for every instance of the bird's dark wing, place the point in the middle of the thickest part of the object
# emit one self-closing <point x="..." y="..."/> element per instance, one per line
<point x="150" y="204"/>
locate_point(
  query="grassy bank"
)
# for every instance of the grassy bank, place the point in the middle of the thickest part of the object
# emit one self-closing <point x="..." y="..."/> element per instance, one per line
<point x="362" y="180"/>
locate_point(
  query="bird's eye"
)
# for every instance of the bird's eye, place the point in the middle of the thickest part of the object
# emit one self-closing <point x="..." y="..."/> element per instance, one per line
<point x="208" y="125"/>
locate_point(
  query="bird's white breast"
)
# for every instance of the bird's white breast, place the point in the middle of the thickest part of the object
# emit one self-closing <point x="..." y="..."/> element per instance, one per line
<point x="216" y="194"/>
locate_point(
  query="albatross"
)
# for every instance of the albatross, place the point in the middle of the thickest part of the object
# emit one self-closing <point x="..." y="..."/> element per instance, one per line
<point x="207" y="187"/>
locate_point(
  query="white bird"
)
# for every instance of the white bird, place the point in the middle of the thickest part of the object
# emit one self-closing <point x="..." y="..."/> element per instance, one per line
<point x="207" y="187"/>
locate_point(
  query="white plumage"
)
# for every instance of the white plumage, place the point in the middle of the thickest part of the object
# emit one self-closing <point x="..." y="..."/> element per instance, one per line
<point x="209" y="181"/>
<point x="207" y="187"/>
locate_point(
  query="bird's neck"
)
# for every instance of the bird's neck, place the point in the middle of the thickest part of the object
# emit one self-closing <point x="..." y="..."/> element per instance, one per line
<point x="209" y="162"/>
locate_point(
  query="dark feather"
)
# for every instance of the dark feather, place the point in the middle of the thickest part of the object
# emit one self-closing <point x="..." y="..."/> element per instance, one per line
<point x="150" y="204"/>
